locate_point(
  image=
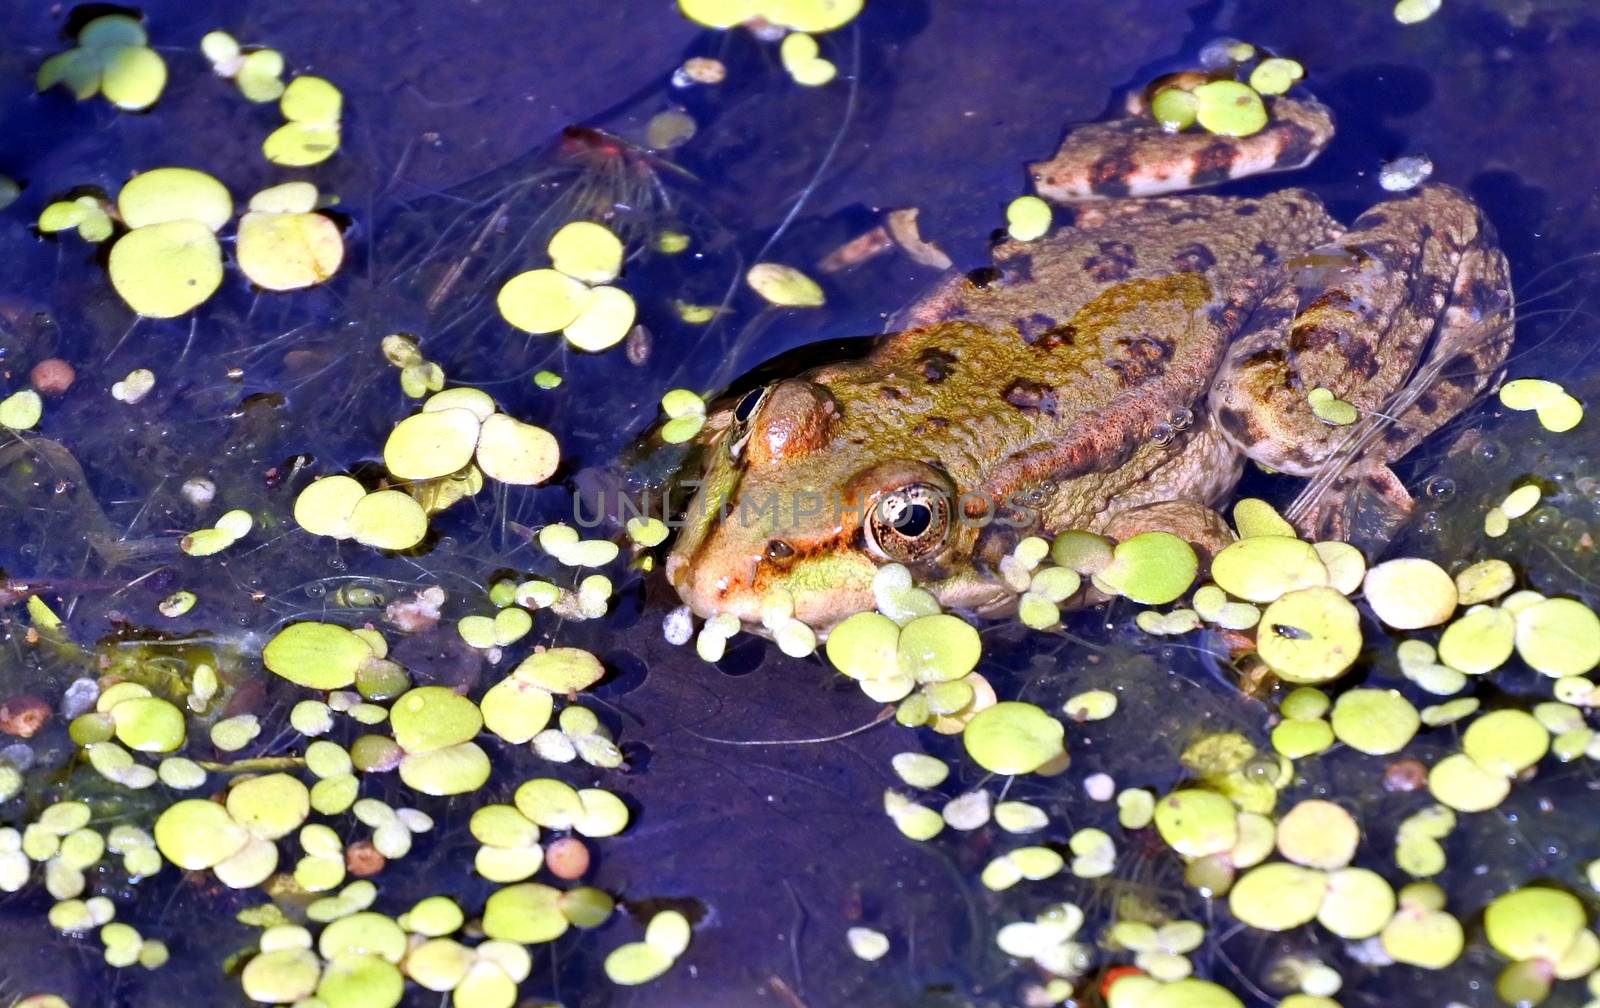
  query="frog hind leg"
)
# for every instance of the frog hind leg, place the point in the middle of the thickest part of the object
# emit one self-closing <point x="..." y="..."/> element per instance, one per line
<point x="1136" y="157"/>
<point x="1405" y="319"/>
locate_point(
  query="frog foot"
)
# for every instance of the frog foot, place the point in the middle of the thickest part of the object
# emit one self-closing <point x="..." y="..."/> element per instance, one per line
<point x="1400" y="323"/>
<point x="1363" y="503"/>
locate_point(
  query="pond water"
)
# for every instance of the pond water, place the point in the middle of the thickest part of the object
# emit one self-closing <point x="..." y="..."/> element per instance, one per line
<point x="754" y="784"/>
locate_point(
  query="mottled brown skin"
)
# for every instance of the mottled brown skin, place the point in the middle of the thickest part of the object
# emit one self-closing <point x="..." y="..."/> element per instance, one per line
<point x="1113" y="375"/>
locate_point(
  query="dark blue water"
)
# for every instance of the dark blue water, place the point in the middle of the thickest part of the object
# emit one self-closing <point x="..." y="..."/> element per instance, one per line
<point x="773" y="849"/>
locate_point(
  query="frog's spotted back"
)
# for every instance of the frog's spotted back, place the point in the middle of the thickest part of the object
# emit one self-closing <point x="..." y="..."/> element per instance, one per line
<point x="1136" y="157"/>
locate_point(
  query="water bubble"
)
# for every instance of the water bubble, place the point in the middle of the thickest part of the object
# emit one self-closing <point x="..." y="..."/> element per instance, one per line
<point x="1488" y="451"/>
<point x="1261" y="767"/>
<point x="79" y="697"/>
<point x="1440" y="488"/>
<point x="18" y="754"/>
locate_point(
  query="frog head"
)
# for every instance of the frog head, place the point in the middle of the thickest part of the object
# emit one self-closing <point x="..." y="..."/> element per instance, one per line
<point x="800" y="496"/>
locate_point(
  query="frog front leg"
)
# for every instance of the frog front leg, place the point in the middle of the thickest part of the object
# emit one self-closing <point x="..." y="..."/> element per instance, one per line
<point x="1405" y="318"/>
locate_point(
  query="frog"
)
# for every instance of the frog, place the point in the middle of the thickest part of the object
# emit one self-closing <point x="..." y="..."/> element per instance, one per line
<point x="1113" y="376"/>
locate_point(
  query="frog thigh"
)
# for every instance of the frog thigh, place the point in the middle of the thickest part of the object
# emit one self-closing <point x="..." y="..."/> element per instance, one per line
<point x="1405" y="318"/>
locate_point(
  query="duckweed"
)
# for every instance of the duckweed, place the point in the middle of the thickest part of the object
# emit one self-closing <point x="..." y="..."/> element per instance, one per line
<point x="454" y="769"/>
<point x="1534" y="923"/>
<point x="387" y="519"/>
<point x="316" y="655"/>
<point x="1463" y="785"/>
<point x="196" y="834"/>
<point x="111" y="58"/>
<point x="1263" y="568"/>
<point x="799" y="15"/>
<point x="1278" y="896"/>
<point x="1557" y="411"/>
<point x="1410" y="593"/>
<point x="920" y="770"/>
<point x="1092" y="705"/>
<point x="287" y="251"/>
<point x="542" y="300"/>
<point x="1374" y="721"/>
<point x="1506" y="742"/>
<point x="1318" y="834"/>
<point x="784" y="286"/>
<point x="1275" y="75"/>
<point x="1174" y="108"/>
<point x="167" y="269"/>
<point x="1027" y="218"/>
<point x="1344" y="564"/>
<point x="1197" y="823"/>
<point x="312" y="107"/>
<point x="1479" y="642"/>
<point x="1415" y="11"/>
<point x="1310" y="635"/>
<point x="1229" y="108"/>
<point x="799" y="55"/>
<point x="1013" y="738"/>
<point x="1331" y="410"/>
<point x="1151" y="568"/>
<point x="1559" y="637"/>
<point x="1358" y="904"/>
<point x="586" y="251"/>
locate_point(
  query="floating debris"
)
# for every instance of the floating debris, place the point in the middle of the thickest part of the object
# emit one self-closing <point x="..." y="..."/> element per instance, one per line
<point x="1415" y="11"/>
<point x="1405" y="173"/>
<point x="784" y="286"/>
<point x="799" y="55"/>
<point x="112" y="58"/>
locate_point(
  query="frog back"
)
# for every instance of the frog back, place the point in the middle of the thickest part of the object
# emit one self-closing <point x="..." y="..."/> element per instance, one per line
<point x="1072" y="352"/>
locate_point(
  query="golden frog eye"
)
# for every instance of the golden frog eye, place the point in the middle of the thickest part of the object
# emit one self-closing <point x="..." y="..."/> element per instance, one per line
<point x="908" y="524"/>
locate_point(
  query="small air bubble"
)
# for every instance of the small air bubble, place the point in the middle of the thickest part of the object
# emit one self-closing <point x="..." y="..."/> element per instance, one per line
<point x="79" y="697"/>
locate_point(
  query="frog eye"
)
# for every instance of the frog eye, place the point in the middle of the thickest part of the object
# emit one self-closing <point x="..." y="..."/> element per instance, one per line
<point x="909" y="524"/>
<point x="743" y="412"/>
